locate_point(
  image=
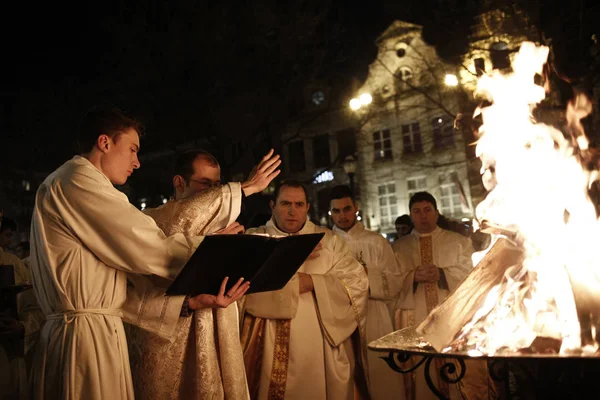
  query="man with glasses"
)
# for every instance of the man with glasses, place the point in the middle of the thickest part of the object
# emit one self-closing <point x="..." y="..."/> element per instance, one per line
<point x="195" y="171"/>
<point x="204" y="358"/>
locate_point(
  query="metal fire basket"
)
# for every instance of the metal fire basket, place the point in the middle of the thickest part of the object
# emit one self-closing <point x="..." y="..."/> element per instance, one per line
<point x="525" y="375"/>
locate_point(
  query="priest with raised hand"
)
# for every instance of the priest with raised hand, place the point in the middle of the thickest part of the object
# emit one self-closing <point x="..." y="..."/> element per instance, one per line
<point x="297" y="341"/>
<point x="202" y="359"/>
<point x="377" y="257"/>
<point x="85" y="238"/>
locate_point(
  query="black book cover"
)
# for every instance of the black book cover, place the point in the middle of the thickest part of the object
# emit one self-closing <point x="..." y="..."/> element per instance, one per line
<point x="267" y="262"/>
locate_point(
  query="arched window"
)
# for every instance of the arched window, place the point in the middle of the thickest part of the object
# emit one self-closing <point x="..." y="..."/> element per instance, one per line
<point x="499" y="53"/>
<point x="401" y="48"/>
<point x="405" y="74"/>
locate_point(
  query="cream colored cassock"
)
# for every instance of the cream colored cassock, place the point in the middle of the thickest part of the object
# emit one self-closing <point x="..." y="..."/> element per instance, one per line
<point x="13" y="366"/>
<point x="452" y="253"/>
<point x="320" y="362"/>
<point x="372" y="250"/>
<point x="85" y="237"/>
<point x="203" y="359"/>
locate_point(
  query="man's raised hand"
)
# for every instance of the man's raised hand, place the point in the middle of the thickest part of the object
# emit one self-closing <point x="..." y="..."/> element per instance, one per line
<point x="262" y="175"/>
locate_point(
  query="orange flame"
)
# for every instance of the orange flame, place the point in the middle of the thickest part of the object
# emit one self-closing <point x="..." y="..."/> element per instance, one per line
<point x="538" y="188"/>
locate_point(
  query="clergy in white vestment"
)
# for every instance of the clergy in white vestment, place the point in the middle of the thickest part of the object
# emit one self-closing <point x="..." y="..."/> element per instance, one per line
<point x="18" y="332"/>
<point x="376" y="256"/>
<point x="297" y="341"/>
<point x="85" y="238"/>
<point x="203" y="359"/>
<point x="433" y="262"/>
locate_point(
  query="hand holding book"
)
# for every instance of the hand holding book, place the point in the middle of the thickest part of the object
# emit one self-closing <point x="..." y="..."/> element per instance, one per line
<point x="222" y="299"/>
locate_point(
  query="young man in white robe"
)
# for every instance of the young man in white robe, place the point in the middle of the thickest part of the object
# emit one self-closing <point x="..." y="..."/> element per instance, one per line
<point x="297" y="341"/>
<point x="433" y="261"/>
<point x="85" y="238"/>
<point x="203" y="359"/>
<point x="376" y="256"/>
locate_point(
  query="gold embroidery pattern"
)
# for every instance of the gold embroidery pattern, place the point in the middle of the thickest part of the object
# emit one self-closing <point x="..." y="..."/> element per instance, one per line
<point x="252" y="335"/>
<point x="204" y="361"/>
<point x="431" y="295"/>
<point x="281" y="357"/>
<point x="361" y="332"/>
<point x="356" y="313"/>
<point x="386" y="285"/>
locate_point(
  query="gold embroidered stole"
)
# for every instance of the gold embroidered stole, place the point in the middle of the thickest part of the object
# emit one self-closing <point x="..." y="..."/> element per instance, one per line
<point x="431" y="294"/>
<point x="281" y="358"/>
<point x="407" y="318"/>
<point x="252" y="338"/>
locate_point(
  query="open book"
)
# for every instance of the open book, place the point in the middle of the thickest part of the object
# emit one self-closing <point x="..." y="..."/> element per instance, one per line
<point x="267" y="262"/>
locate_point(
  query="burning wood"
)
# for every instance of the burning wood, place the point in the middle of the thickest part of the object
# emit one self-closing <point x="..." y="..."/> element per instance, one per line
<point x="446" y="321"/>
<point x="538" y="287"/>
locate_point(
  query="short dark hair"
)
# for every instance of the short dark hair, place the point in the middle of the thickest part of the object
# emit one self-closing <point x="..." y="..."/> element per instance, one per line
<point x="404" y="220"/>
<point x="184" y="163"/>
<point x="422" y="196"/>
<point x="341" y="192"/>
<point x="105" y="120"/>
<point x="8" y="224"/>
<point x="291" y="183"/>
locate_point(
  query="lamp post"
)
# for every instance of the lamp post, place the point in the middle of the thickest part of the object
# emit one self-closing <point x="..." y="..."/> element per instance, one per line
<point x="350" y="169"/>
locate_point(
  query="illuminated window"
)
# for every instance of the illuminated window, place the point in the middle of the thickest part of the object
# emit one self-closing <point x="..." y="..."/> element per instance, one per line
<point x="416" y="184"/>
<point x="382" y="145"/>
<point x="450" y="204"/>
<point x="388" y="204"/>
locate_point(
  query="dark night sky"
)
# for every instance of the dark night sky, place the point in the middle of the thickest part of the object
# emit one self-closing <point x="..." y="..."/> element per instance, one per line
<point x="186" y="68"/>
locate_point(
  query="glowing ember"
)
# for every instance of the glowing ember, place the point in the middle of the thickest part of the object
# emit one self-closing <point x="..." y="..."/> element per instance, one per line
<point x="538" y="190"/>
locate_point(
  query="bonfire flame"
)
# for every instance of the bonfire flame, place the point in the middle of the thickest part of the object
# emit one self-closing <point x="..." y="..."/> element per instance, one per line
<point x="538" y="182"/>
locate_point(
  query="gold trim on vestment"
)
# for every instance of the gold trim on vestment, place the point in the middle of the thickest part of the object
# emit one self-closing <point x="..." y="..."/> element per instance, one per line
<point x="252" y="338"/>
<point x="352" y="302"/>
<point x="386" y="285"/>
<point x="281" y="358"/>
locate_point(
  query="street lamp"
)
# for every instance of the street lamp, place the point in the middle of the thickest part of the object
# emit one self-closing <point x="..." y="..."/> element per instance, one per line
<point x="350" y="169"/>
<point x="362" y="101"/>
<point x="451" y="80"/>
<point x="365" y="99"/>
<point x="355" y="104"/>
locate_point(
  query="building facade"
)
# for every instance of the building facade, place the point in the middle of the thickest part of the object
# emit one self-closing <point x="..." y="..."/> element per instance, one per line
<point x="408" y="140"/>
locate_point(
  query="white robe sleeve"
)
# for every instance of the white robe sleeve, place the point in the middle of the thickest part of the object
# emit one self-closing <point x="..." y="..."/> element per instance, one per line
<point x="147" y="306"/>
<point x="406" y="265"/>
<point x="276" y="304"/>
<point x="341" y="294"/>
<point x="385" y="280"/>
<point x="120" y="235"/>
<point x="463" y="264"/>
